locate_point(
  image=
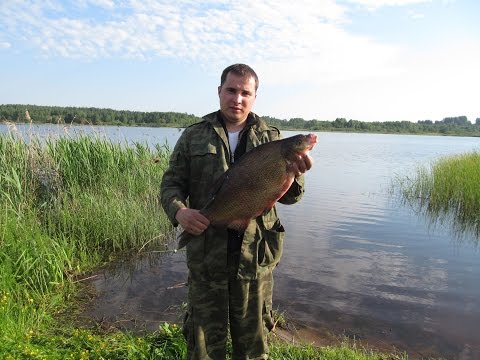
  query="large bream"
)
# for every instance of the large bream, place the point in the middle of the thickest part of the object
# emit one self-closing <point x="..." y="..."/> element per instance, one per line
<point x="254" y="183"/>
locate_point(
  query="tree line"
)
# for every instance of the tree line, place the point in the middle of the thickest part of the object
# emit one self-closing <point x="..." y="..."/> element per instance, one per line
<point x="17" y="113"/>
<point x="92" y="116"/>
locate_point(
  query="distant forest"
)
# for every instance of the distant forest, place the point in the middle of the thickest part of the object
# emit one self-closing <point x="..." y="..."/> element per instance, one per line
<point x="17" y="113"/>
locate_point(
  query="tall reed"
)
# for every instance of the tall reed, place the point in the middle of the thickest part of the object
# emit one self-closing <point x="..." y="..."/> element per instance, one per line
<point x="448" y="190"/>
<point x="66" y="206"/>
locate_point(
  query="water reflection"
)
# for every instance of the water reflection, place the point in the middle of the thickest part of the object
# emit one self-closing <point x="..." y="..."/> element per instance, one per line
<point x="140" y="293"/>
<point x="360" y="262"/>
<point x="463" y="227"/>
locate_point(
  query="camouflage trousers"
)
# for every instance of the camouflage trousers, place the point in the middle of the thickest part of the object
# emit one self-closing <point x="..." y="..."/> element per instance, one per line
<point x="243" y="307"/>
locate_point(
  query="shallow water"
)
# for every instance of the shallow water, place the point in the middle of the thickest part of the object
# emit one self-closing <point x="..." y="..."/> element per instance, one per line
<point x="357" y="261"/>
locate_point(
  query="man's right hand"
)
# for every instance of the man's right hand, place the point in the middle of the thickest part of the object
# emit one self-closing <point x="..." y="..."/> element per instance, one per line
<point x="192" y="221"/>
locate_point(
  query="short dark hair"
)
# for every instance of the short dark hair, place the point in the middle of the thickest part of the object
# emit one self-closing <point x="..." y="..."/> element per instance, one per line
<point x="239" y="70"/>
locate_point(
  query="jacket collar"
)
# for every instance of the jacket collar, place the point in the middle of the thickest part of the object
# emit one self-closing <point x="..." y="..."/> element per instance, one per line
<point x="255" y="128"/>
<point x="253" y="121"/>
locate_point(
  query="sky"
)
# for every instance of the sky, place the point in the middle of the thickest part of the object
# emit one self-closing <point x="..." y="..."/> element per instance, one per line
<point x="367" y="60"/>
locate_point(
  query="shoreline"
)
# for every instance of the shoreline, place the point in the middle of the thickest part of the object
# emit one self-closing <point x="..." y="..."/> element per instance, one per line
<point x="130" y="301"/>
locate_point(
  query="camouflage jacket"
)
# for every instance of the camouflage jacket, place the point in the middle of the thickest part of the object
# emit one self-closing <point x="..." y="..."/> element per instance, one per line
<point x="202" y="155"/>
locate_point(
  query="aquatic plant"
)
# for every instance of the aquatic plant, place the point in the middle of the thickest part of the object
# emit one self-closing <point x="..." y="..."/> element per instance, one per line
<point x="447" y="191"/>
<point x="68" y="205"/>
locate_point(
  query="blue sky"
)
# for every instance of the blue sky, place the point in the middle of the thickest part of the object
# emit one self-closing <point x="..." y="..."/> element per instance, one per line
<point x="369" y="60"/>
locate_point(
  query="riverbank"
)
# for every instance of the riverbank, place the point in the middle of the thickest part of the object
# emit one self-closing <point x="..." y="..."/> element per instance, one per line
<point x="160" y="308"/>
<point x="140" y="293"/>
<point x="69" y="206"/>
<point x="66" y="207"/>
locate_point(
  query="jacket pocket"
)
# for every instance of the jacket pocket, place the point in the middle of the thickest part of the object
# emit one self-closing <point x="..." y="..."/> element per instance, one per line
<point x="270" y="247"/>
<point x="203" y="159"/>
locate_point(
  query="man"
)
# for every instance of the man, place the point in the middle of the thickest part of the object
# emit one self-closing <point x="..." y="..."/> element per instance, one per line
<point x="230" y="273"/>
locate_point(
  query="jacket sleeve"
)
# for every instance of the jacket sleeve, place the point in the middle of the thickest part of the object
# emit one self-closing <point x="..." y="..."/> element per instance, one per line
<point x="295" y="192"/>
<point x="174" y="186"/>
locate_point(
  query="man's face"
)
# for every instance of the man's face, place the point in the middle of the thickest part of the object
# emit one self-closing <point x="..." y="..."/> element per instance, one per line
<point x="237" y="95"/>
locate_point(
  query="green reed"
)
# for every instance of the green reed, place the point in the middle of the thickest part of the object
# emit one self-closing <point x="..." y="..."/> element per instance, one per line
<point x="68" y="205"/>
<point x="448" y="190"/>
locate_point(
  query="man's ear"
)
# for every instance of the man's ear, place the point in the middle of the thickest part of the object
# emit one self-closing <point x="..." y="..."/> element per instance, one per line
<point x="219" y="89"/>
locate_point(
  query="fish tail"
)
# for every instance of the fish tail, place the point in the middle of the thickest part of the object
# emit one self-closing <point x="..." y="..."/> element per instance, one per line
<point x="183" y="239"/>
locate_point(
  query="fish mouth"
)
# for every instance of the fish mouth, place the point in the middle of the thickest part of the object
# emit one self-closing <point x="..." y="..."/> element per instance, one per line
<point x="312" y="140"/>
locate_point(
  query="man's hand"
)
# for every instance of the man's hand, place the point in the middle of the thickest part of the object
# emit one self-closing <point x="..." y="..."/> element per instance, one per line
<point x="192" y="221"/>
<point x="298" y="164"/>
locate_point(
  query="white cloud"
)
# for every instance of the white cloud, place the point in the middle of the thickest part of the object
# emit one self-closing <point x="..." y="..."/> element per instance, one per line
<point x="375" y="4"/>
<point x="106" y="4"/>
<point x="415" y="16"/>
<point x="301" y="44"/>
<point x="209" y="32"/>
<point x="194" y="31"/>
<point x="413" y="86"/>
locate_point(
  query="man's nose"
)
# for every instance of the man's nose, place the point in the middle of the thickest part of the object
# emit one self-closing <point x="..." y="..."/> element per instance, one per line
<point x="238" y="98"/>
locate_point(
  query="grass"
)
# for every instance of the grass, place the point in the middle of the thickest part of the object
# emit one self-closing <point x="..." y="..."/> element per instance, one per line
<point x="67" y="206"/>
<point x="339" y="352"/>
<point x="166" y="343"/>
<point x="447" y="191"/>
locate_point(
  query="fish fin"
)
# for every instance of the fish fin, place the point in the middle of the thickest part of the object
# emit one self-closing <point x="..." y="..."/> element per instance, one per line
<point x="239" y="224"/>
<point x="183" y="239"/>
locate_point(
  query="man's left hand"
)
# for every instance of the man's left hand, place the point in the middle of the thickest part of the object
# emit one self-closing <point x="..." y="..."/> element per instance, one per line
<point x="299" y="164"/>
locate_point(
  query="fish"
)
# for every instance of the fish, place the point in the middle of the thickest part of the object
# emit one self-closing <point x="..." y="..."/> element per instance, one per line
<point x="253" y="184"/>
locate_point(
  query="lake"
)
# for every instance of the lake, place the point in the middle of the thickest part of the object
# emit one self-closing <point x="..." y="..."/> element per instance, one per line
<point x="357" y="261"/>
